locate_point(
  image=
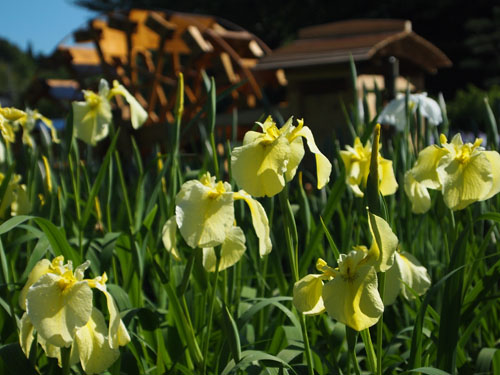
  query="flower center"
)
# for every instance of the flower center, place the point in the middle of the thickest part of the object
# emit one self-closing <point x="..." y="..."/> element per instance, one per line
<point x="92" y="99"/>
<point x="217" y="190"/>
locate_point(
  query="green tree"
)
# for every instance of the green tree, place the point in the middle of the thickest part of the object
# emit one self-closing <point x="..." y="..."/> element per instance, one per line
<point x="17" y="69"/>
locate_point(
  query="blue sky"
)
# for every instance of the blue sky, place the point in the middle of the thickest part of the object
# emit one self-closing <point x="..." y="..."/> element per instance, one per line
<point x="44" y="23"/>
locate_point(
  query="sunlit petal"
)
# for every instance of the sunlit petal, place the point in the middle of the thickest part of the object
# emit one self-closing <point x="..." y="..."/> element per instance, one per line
<point x="307" y="295"/>
<point x="232" y="250"/>
<point x="464" y="183"/>
<point x="323" y="165"/>
<point x="138" y="115"/>
<point x="259" y="167"/>
<point x="418" y="194"/>
<point x="169" y="237"/>
<point x="259" y="221"/>
<point x="354" y="302"/>
<point x="384" y="243"/>
<point x="56" y="308"/>
<point x="93" y="347"/>
<point x="203" y="220"/>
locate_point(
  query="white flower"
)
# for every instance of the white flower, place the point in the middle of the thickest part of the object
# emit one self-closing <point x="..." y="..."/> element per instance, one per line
<point x="394" y="113"/>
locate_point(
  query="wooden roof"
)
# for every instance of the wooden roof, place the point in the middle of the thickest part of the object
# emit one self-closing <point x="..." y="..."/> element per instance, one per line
<point x="363" y="39"/>
<point x="146" y="49"/>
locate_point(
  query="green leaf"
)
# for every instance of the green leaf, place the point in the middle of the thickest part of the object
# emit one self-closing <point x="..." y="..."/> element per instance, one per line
<point x="98" y="181"/>
<point x="39" y="251"/>
<point x="15" y="361"/>
<point x="58" y="241"/>
<point x="5" y="265"/>
<point x="451" y="306"/>
<point x="249" y="356"/>
<point x="148" y="221"/>
<point x="416" y="339"/>
<point x="231" y="333"/>
<point x="13" y="222"/>
<point x="429" y="371"/>
<point x="265" y="302"/>
<point x="485" y="360"/>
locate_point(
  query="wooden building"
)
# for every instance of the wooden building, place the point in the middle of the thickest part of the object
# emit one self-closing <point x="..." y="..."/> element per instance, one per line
<point x="387" y="53"/>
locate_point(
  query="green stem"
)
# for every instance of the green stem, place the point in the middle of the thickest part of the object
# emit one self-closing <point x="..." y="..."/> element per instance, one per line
<point x="65" y="355"/>
<point x="352" y="337"/>
<point x="124" y="191"/>
<point x="210" y="315"/>
<point x="380" y="324"/>
<point x="370" y="351"/>
<point x="289" y="228"/>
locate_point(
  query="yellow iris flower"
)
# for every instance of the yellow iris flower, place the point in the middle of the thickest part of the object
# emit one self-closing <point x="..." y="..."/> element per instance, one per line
<point x="91" y="118"/>
<point x="357" y="164"/>
<point x="406" y="271"/>
<point x="204" y="216"/>
<point x="349" y="293"/>
<point x="267" y="160"/>
<point x="11" y="119"/>
<point x="465" y="173"/>
<point x="58" y="304"/>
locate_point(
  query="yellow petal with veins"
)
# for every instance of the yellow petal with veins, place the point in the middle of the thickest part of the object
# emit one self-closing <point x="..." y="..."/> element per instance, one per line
<point x="354" y="301"/>
<point x="169" y="237"/>
<point x="92" y="346"/>
<point x="57" y="306"/>
<point x="384" y="243"/>
<point x="231" y="251"/>
<point x="259" y="221"/>
<point x="259" y="167"/>
<point x="323" y="165"/>
<point x="138" y="115"/>
<point x="203" y="214"/>
<point x="307" y="295"/>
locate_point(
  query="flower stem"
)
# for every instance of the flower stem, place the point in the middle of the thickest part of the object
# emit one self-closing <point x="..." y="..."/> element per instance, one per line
<point x="352" y="337"/>
<point x="210" y="315"/>
<point x="380" y="324"/>
<point x="290" y="228"/>
<point x="65" y="354"/>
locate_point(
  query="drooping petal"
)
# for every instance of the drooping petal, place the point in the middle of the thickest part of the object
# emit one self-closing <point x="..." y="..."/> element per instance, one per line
<point x="93" y="347"/>
<point x="354" y="302"/>
<point x="294" y="158"/>
<point x="232" y="250"/>
<point x="203" y="220"/>
<point x="259" y="221"/>
<point x="388" y="184"/>
<point x="384" y="243"/>
<point x="323" y="165"/>
<point x="393" y="285"/>
<point x="307" y="295"/>
<point x="259" y="167"/>
<point x="56" y="310"/>
<point x="429" y="108"/>
<point x="418" y="194"/>
<point x="169" y="237"/>
<point x="413" y="274"/>
<point x="138" y="115"/>
<point x="117" y="333"/>
<point x="394" y="113"/>
<point x="25" y="334"/>
<point x="41" y="268"/>
<point x="494" y="159"/>
<point x="52" y="351"/>
<point x="425" y="169"/>
<point x="91" y="124"/>
<point x="464" y="183"/>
